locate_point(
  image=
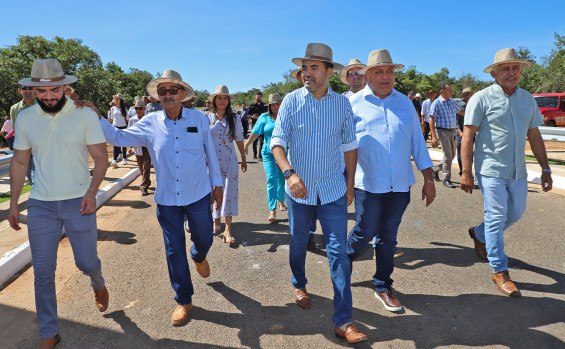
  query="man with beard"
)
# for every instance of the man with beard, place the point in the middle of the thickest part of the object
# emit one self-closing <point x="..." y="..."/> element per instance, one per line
<point x="351" y="76"/>
<point x="28" y="99"/>
<point x="61" y="137"/>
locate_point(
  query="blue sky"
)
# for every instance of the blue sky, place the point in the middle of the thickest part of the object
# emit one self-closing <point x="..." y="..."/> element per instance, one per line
<point x="247" y="44"/>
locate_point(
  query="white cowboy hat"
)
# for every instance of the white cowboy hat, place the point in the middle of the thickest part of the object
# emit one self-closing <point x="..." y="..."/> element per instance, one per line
<point x="169" y="76"/>
<point x="354" y="63"/>
<point x="139" y="103"/>
<point x="380" y="58"/>
<point x="318" y="52"/>
<point x="120" y="96"/>
<point x="47" y="72"/>
<point x="222" y="90"/>
<point x="507" y="55"/>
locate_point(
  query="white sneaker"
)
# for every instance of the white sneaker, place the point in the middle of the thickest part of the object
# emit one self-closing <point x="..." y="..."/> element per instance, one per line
<point x="114" y="164"/>
<point x="125" y="162"/>
<point x="120" y="157"/>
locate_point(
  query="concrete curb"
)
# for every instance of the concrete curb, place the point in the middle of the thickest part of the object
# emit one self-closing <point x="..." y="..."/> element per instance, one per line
<point x="533" y="176"/>
<point x="16" y="259"/>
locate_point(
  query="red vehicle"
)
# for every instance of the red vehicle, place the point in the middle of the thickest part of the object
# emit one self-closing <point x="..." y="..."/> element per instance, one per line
<point x="552" y="108"/>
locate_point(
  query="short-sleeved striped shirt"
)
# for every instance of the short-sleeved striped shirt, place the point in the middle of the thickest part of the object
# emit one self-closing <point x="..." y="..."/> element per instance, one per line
<point x="317" y="132"/>
<point x="443" y="111"/>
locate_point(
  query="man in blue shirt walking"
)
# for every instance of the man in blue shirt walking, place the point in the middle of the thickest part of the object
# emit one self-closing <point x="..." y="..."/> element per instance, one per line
<point x="317" y="126"/>
<point x="389" y="135"/>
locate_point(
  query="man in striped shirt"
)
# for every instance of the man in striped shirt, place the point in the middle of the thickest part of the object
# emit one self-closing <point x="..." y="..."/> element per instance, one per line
<point x="443" y="126"/>
<point x="317" y="126"/>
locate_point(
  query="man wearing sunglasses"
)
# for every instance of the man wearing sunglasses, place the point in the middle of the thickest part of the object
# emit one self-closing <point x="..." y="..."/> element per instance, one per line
<point x="351" y="76"/>
<point x="28" y="99"/>
<point x="186" y="168"/>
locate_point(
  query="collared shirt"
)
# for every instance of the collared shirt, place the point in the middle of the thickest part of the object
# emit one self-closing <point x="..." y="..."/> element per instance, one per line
<point x="317" y="133"/>
<point x="348" y="93"/>
<point x="503" y="123"/>
<point x="389" y="135"/>
<point x="153" y="107"/>
<point x="132" y="121"/>
<point x="179" y="150"/>
<point x="426" y="109"/>
<point x="59" y="147"/>
<point x="18" y="107"/>
<point x="7" y="126"/>
<point x="444" y="112"/>
<point x="257" y="108"/>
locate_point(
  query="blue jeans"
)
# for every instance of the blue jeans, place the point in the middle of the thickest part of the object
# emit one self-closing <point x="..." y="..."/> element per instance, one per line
<point x="333" y="219"/>
<point x="171" y="219"/>
<point x="504" y="204"/>
<point x="378" y="216"/>
<point x="46" y="220"/>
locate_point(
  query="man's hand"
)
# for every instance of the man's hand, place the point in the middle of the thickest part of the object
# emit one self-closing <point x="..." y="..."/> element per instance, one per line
<point x="467" y="182"/>
<point x="350" y="196"/>
<point x="14" y="217"/>
<point x="434" y="141"/>
<point x="217" y="197"/>
<point x="429" y="192"/>
<point x="82" y="104"/>
<point x="88" y="204"/>
<point x="546" y="181"/>
<point x="297" y="187"/>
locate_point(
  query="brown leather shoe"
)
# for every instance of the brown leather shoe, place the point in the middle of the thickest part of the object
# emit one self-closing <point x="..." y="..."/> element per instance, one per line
<point x="505" y="284"/>
<point x="180" y="315"/>
<point x="101" y="298"/>
<point x="301" y="298"/>
<point x="351" y="334"/>
<point x="203" y="268"/>
<point x="388" y="299"/>
<point x="480" y="247"/>
<point x="49" y="343"/>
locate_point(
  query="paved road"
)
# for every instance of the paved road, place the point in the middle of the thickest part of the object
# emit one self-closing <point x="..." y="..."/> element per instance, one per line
<point x="449" y="297"/>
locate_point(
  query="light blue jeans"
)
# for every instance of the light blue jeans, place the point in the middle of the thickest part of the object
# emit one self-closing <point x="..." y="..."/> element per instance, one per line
<point x="504" y="204"/>
<point x="46" y="220"/>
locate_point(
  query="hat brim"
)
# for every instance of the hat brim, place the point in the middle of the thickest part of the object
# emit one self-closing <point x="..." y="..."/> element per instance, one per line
<point x="524" y="63"/>
<point x="395" y="65"/>
<point x="232" y="97"/>
<point x="343" y="72"/>
<point x="69" y="79"/>
<point x="298" y="62"/>
<point x="294" y="73"/>
<point x="153" y="84"/>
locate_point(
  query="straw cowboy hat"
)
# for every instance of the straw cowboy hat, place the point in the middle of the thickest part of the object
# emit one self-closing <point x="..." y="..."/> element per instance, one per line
<point x="467" y="90"/>
<point x="139" y="103"/>
<point x="120" y="96"/>
<point x="294" y="73"/>
<point x="275" y="98"/>
<point x="221" y="90"/>
<point x="507" y="55"/>
<point x="169" y="75"/>
<point x="380" y="58"/>
<point x="354" y="63"/>
<point x="318" y="52"/>
<point x="47" y="72"/>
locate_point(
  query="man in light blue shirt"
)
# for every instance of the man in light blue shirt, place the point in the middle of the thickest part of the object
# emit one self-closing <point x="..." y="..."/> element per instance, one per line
<point x="317" y="126"/>
<point x="389" y="135"/>
<point x="186" y="168"/>
<point x="502" y="116"/>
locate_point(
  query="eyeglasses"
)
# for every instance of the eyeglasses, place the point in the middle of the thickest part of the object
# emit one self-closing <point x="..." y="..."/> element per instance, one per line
<point x="139" y="108"/>
<point x="23" y="88"/>
<point x="172" y="91"/>
<point x="352" y="75"/>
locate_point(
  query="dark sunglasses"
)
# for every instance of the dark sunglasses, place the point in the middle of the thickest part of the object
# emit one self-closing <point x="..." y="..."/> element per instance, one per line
<point x="23" y="88"/>
<point x="172" y="91"/>
<point x="139" y="108"/>
<point x="352" y="75"/>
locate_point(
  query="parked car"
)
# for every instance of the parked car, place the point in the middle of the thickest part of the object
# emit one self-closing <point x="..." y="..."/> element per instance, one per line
<point x="552" y="108"/>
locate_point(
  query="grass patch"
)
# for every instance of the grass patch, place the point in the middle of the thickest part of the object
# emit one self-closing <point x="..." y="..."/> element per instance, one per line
<point x="551" y="161"/>
<point x="6" y="196"/>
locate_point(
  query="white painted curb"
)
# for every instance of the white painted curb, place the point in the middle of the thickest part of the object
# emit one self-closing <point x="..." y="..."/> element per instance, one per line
<point x="16" y="259"/>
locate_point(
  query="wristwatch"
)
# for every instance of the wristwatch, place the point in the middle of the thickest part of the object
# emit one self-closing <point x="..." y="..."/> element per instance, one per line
<point x="546" y="170"/>
<point x="288" y="173"/>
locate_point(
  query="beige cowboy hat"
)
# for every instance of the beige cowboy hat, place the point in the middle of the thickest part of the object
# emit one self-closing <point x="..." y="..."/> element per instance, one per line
<point x="318" y="52"/>
<point x="507" y="55"/>
<point x="380" y="58"/>
<point x="169" y="75"/>
<point x="294" y="73"/>
<point x="47" y="72"/>
<point x="120" y="96"/>
<point x="139" y="103"/>
<point x="354" y="63"/>
<point x="418" y="95"/>
<point x="467" y="90"/>
<point x="221" y="90"/>
<point x="275" y="98"/>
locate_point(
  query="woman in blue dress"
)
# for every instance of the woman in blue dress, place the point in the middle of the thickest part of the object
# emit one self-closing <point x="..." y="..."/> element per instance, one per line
<point x="275" y="181"/>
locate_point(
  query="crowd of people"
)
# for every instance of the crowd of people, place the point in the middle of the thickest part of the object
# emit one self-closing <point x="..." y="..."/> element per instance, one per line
<point x="321" y="152"/>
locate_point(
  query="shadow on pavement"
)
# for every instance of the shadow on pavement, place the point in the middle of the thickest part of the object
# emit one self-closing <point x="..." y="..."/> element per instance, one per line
<point x="128" y="203"/>
<point x="121" y="237"/>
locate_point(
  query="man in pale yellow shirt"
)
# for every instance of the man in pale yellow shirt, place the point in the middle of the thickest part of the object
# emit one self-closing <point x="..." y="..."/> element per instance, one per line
<point x="60" y="137"/>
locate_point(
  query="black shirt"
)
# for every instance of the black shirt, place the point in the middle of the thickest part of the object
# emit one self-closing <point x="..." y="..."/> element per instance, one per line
<point x="257" y="108"/>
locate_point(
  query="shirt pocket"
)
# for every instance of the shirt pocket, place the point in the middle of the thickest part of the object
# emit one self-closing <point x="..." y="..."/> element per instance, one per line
<point x="191" y="141"/>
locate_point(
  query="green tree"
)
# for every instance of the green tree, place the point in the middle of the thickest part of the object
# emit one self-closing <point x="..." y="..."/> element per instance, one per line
<point x="553" y="76"/>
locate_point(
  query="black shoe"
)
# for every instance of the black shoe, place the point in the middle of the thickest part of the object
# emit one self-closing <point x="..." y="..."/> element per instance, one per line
<point x="144" y="192"/>
<point x="447" y="183"/>
<point x="312" y="246"/>
<point x="436" y="175"/>
<point x="475" y="186"/>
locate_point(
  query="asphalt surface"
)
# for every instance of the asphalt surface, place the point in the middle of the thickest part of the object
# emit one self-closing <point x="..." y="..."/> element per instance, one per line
<point x="247" y="302"/>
